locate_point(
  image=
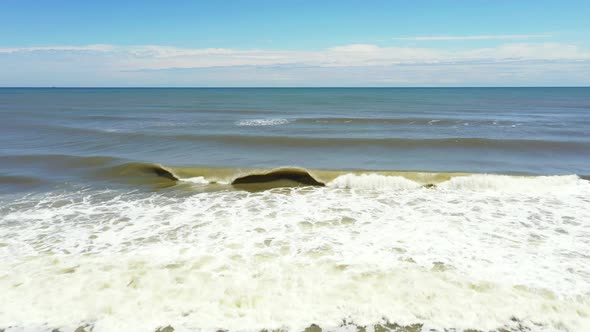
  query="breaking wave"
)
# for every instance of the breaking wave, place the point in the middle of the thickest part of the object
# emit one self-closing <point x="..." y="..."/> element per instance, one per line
<point x="160" y="176"/>
<point x="373" y="181"/>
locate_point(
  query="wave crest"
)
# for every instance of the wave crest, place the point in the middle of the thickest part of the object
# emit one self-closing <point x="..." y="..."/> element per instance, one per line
<point x="373" y="181"/>
<point x="297" y="175"/>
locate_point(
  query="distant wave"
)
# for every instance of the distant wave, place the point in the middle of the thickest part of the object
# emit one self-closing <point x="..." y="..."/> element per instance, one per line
<point x="338" y="142"/>
<point x="57" y="162"/>
<point x="262" y="122"/>
<point x="519" y="145"/>
<point x="116" y="118"/>
<point x="402" y="121"/>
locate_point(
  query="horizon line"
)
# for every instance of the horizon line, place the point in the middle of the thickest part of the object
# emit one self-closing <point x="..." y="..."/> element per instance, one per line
<point x="293" y="87"/>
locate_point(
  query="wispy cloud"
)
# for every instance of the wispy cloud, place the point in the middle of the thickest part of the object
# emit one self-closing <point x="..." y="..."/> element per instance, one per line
<point x="356" y="64"/>
<point x="479" y="37"/>
<point x="67" y="48"/>
<point x="163" y="57"/>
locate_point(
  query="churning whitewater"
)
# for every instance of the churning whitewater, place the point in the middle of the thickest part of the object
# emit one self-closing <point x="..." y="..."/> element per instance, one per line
<point x="478" y="252"/>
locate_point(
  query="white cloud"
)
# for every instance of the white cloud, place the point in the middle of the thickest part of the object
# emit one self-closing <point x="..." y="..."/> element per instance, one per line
<point x="164" y="57"/>
<point x="347" y="64"/>
<point x="479" y="37"/>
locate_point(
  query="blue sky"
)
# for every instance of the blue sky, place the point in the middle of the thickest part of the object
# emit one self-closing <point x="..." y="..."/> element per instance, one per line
<point x="294" y="43"/>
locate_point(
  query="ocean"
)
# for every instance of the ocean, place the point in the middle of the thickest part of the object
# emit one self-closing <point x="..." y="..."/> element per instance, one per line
<point x="294" y="209"/>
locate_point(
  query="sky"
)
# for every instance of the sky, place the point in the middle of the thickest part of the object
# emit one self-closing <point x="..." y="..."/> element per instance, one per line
<point x="294" y="43"/>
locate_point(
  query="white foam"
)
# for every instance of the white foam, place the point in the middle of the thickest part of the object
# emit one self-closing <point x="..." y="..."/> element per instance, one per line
<point x="196" y="180"/>
<point x="373" y="181"/>
<point x="524" y="184"/>
<point x="262" y="122"/>
<point x="476" y="182"/>
<point x="289" y="257"/>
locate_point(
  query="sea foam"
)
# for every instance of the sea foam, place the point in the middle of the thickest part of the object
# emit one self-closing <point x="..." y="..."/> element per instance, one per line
<point x="290" y="257"/>
<point x="506" y="183"/>
<point x="373" y="181"/>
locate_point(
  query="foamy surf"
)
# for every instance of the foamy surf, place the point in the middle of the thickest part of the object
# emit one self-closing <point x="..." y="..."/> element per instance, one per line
<point x="373" y="181"/>
<point x="524" y="184"/>
<point x="365" y="249"/>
